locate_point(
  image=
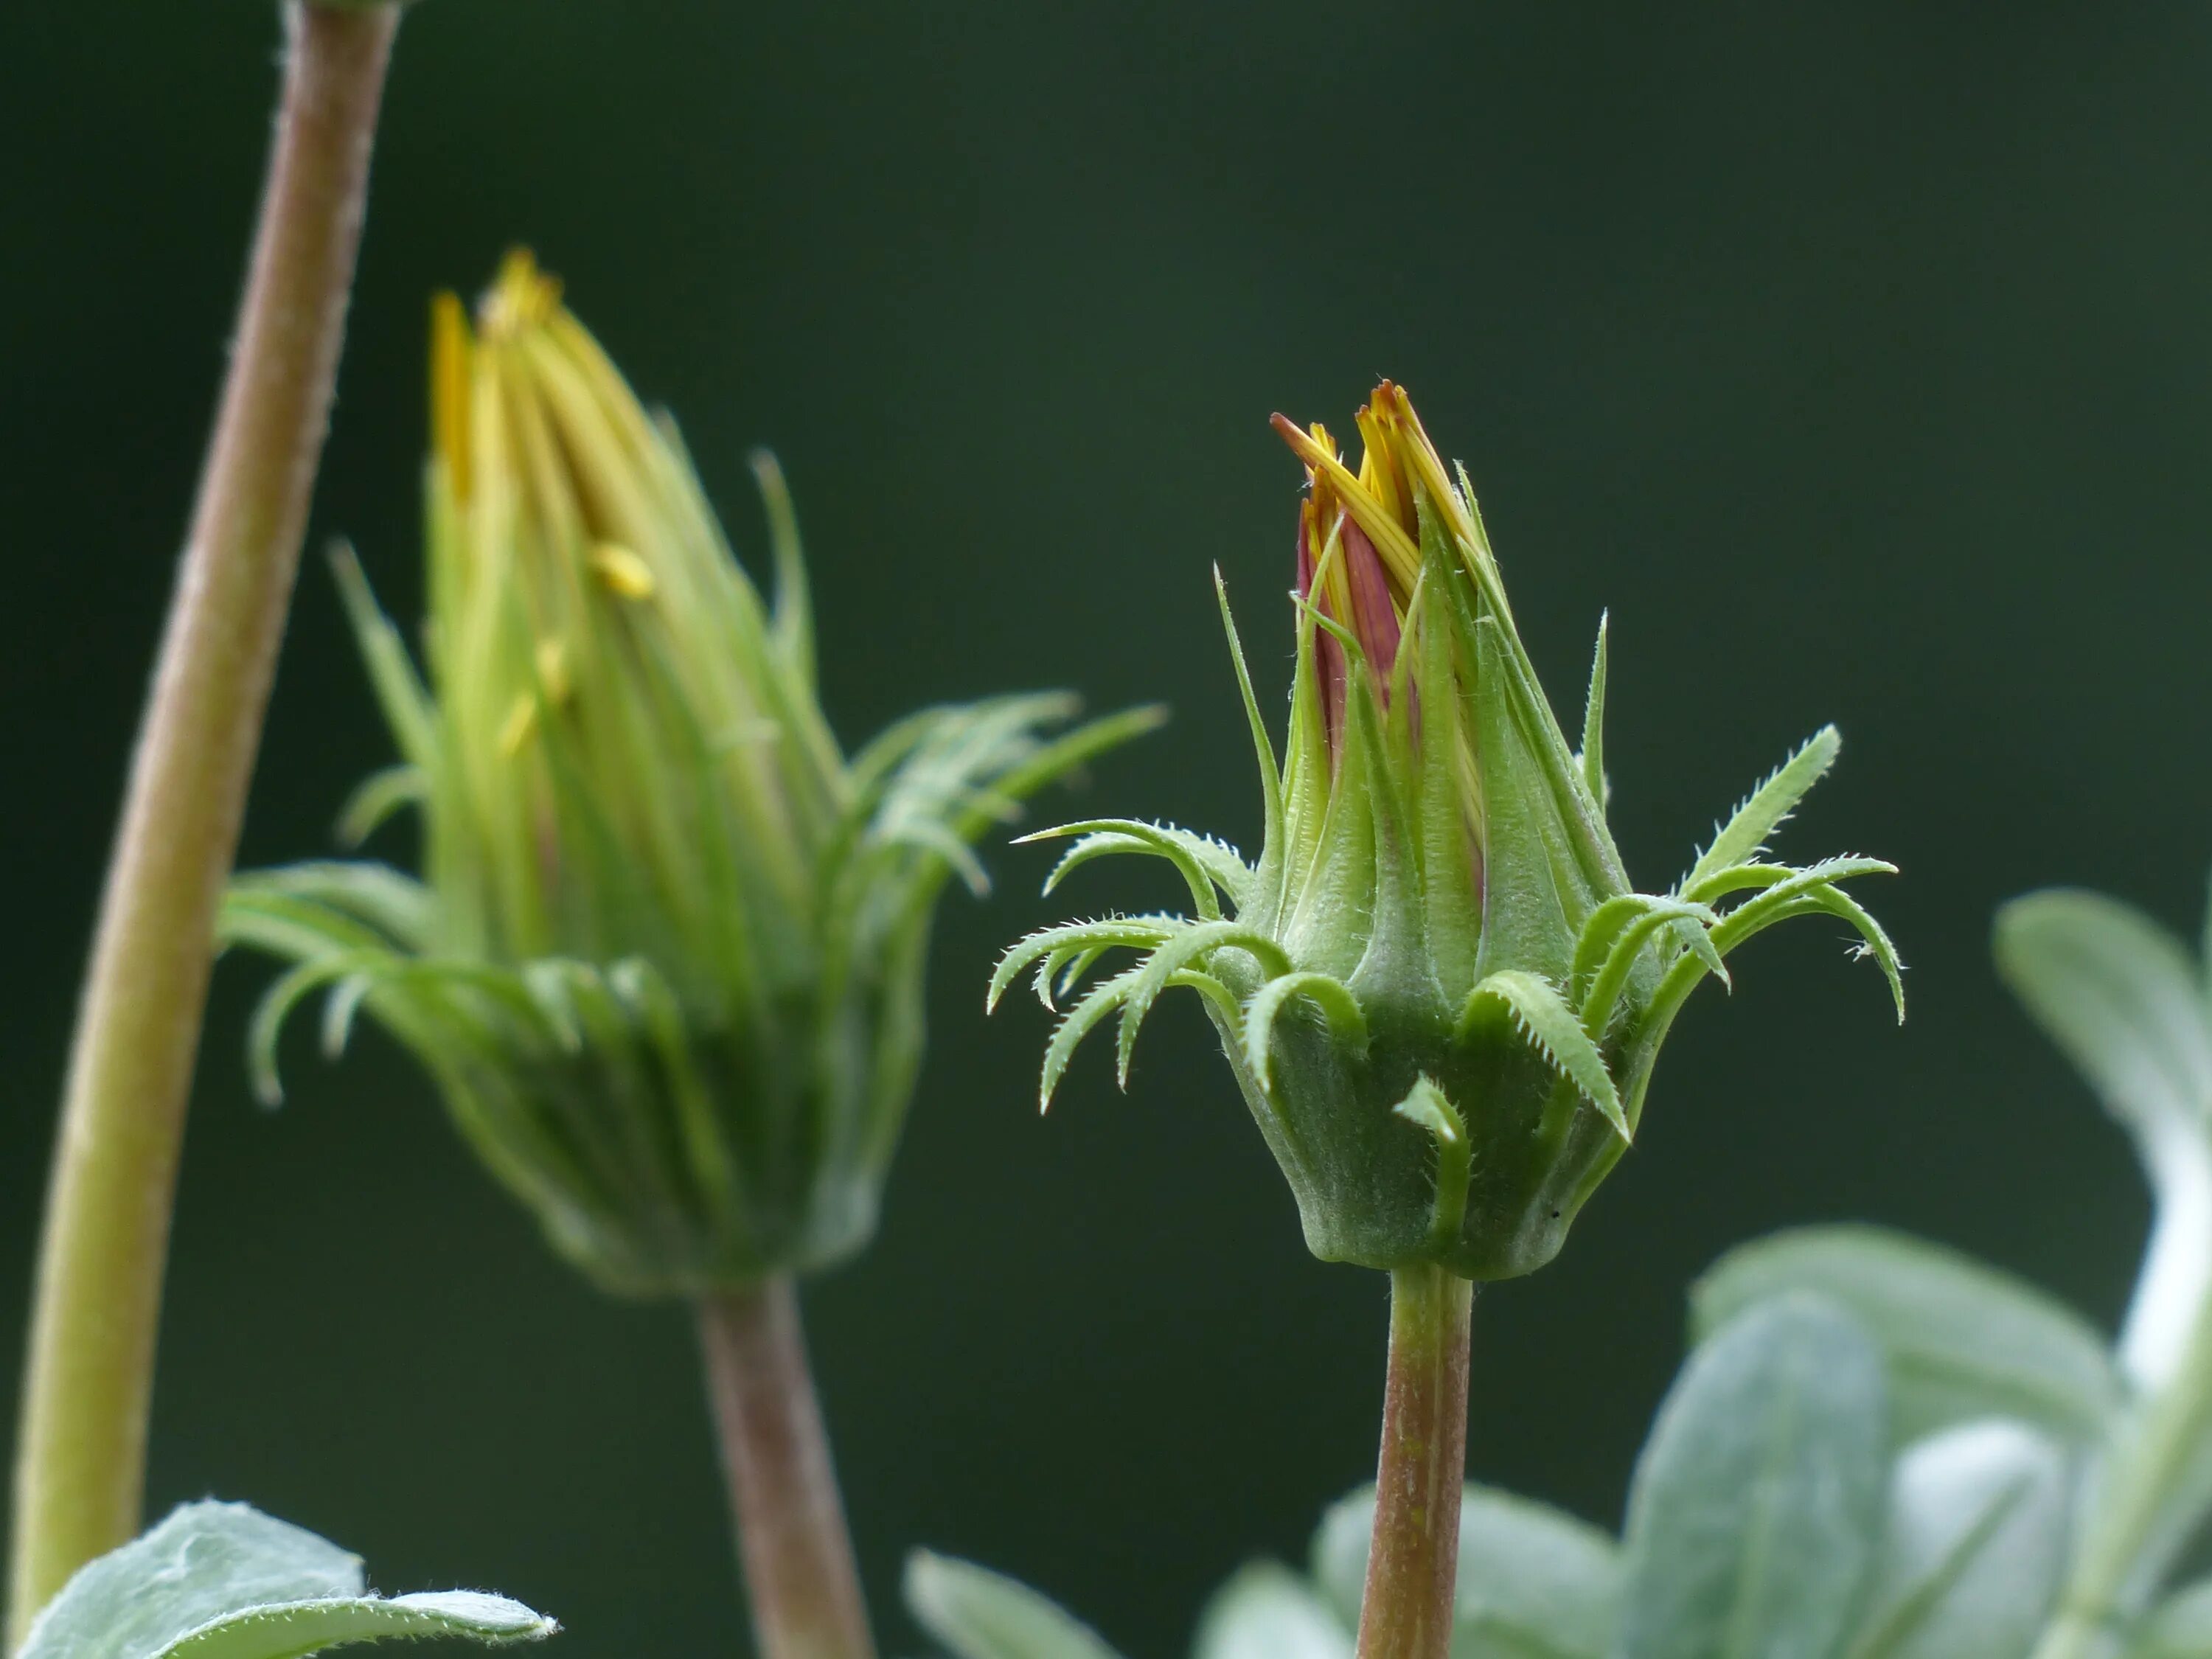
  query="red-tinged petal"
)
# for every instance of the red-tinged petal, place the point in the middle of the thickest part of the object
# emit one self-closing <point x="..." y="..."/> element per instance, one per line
<point x="1335" y="669"/>
<point x="1374" y="617"/>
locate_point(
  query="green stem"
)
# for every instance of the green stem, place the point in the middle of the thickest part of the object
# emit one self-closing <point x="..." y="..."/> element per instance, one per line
<point x="792" y="1542"/>
<point x="81" y="1444"/>
<point x="1413" y="1562"/>
<point x="2133" y="1526"/>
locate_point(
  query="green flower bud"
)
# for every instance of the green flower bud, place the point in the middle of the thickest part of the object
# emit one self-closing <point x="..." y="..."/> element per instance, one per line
<point x="1440" y="993"/>
<point x="665" y="959"/>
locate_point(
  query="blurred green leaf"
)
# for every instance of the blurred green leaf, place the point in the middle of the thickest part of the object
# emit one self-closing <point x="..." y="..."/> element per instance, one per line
<point x="2118" y="994"/>
<point x="1534" y="1583"/>
<point x="1961" y="1340"/>
<point x="2180" y="1627"/>
<point x="1268" y="1611"/>
<point x="1975" y="1545"/>
<point x="1757" y="1504"/>
<point x="982" y="1614"/>
<point x="223" y="1580"/>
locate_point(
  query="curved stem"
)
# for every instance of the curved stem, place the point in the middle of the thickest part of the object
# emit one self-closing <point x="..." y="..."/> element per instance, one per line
<point x="1412" y="1563"/>
<point x="792" y="1542"/>
<point x="2152" y="1494"/>
<point x="80" y="1451"/>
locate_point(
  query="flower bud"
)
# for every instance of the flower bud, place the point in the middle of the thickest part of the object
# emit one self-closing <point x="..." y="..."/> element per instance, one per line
<point x="665" y="958"/>
<point x="1439" y="990"/>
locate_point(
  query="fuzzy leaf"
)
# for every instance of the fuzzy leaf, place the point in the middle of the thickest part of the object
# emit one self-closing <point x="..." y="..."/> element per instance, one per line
<point x="1534" y="1583"/>
<point x="1101" y="1000"/>
<point x="1346" y="1022"/>
<point x="1592" y="758"/>
<point x="1600" y="939"/>
<point x="1688" y="922"/>
<point x="1271" y="781"/>
<point x="1268" y="1611"/>
<point x="1171" y="958"/>
<point x="1204" y="863"/>
<point x="1960" y="1340"/>
<point x="982" y="1614"/>
<point x="1427" y="1108"/>
<point x="1757" y="1503"/>
<point x="1545" y="1019"/>
<point x="222" y="1581"/>
<point x="1974" y="1548"/>
<point x="1109" y="932"/>
<point x="1792" y="893"/>
<point x="1766" y="809"/>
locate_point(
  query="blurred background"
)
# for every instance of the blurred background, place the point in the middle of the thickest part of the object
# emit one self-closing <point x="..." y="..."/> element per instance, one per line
<point x="1858" y="358"/>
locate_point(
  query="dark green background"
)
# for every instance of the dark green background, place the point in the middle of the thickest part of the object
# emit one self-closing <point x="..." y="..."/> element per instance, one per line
<point x="1860" y="358"/>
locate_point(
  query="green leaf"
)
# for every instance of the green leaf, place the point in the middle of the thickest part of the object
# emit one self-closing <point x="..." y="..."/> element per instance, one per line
<point x="1347" y="1022"/>
<point x="1534" y="1583"/>
<point x="1066" y="1036"/>
<point x="2180" y="1627"/>
<point x="1592" y="758"/>
<point x="1170" y="958"/>
<point x="2120" y="997"/>
<point x="223" y="1580"/>
<point x="1975" y="1545"/>
<point x="1961" y="1339"/>
<point x="2118" y="994"/>
<point x="1268" y="1611"/>
<point x="1766" y="807"/>
<point x="982" y="1614"/>
<point x="1107" y="934"/>
<point x="1757" y="1503"/>
<point x="376" y="798"/>
<point x="1427" y="1107"/>
<point x="1543" y="1017"/>
<point x="1205" y="863"/>
<point x="297" y="1629"/>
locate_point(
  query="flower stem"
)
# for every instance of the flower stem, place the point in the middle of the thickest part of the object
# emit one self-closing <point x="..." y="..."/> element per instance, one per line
<point x="1412" y="1563"/>
<point x="797" y="1557"/>
<point x="80" y="1451"/>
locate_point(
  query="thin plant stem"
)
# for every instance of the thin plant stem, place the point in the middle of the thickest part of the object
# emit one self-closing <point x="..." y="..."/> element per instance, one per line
<point x="792" y="1542"/>
<point x="2132" y="1528"/>
<point x="1413" y="1563"/>
<point x="82" y="1447"/>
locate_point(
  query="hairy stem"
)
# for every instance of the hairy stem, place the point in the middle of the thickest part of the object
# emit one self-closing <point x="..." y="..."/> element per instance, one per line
<point x="80" y="1451"/>
<point x="1413" y="1562"/>
<point x="792" y="1542"/>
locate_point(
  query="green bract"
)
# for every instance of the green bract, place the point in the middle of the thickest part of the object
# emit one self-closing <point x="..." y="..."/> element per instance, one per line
<point x="666" y="960"/>
<point x="1439" y="990"/>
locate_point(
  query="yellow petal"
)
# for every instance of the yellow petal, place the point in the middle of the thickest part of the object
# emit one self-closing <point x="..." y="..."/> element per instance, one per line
<point x="622" y="570"/>
<point x="449" y="390"/>
<point x="515" y="730"/>
<point x="553" y="670"/>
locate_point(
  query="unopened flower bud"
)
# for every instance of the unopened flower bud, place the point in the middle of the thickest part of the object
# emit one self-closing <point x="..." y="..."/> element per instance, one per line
<point x="1439" y="991"/>
<point x="665" y="958"/>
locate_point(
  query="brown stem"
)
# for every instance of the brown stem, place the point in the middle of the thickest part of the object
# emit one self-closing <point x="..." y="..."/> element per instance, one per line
<point x="81" y="1451"/>
<point x="1414" y="1561"/>
<point x="797" y="1557"/>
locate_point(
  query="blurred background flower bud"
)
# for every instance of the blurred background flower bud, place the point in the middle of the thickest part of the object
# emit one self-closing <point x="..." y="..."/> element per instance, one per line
<point x="664" y="959"/>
